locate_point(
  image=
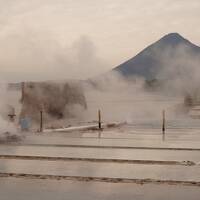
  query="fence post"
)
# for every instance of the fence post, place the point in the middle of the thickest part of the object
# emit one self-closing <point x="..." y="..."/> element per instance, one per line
<point x="41" y="121"/>
<point x="99" y="118"/>
<point x="163" y="124"/>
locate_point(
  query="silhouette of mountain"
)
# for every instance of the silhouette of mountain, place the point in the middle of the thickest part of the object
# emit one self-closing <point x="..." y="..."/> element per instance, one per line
<point x="166" y="51"/>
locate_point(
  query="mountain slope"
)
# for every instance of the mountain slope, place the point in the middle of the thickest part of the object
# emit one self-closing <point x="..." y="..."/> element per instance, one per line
<point x="169" y="51"/>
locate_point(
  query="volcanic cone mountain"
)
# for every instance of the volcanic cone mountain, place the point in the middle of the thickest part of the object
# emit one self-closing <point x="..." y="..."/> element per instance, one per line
<point x="170" y="52"/>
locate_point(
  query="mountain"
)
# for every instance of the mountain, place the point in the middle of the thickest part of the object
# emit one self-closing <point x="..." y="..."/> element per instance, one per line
<point x="170" y="51"/>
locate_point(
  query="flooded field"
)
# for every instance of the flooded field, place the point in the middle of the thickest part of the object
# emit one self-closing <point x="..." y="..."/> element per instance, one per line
<point x="122" y="155"/>
<point x="23" y="189"/>
<point x="102" y="153"/>
<point x="123" y="161"/>
<point x="108" y="170"/>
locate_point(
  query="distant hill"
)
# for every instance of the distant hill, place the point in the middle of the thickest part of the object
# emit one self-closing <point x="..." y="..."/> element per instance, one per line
<point x="158" y="56"/>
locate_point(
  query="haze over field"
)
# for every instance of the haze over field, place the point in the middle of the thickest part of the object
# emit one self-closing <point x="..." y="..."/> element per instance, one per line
<point x="99" y="99"/>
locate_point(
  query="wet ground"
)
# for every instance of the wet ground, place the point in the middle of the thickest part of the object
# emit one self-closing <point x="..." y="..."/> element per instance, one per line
<point x="102" y="153"/>
<point x="31" y="189"/>
<point x="123" y="162"/>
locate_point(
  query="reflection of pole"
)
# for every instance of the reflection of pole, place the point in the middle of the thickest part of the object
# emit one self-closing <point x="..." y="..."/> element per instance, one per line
<point x="163" y="124"/>
<point x="99" y="117"/>
<point x="22" y="88"/>
<point x="41" y="121"/>
<point x="99" y="134"/>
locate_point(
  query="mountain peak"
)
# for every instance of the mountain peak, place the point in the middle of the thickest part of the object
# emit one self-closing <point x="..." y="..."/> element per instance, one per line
<point x="149" y="62"/>
<point x="173" y="39"/>
<point x="173" y="35"/>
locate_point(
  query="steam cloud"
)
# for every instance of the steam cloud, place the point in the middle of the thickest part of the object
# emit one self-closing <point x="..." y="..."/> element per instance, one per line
<point x="32" y="56"/>
<point x="8" y="99"/>
<point x="127" y="100"/>
<point x="41" y="57"/>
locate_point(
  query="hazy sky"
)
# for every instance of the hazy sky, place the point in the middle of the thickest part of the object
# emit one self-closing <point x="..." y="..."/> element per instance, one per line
<point x="58" y="39"/>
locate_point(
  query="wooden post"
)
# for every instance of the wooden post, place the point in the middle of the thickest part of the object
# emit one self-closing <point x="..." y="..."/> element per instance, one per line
<point x="99" y="118"/>
<point x="41" y="121"/>
<point x="163" y="124"/>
